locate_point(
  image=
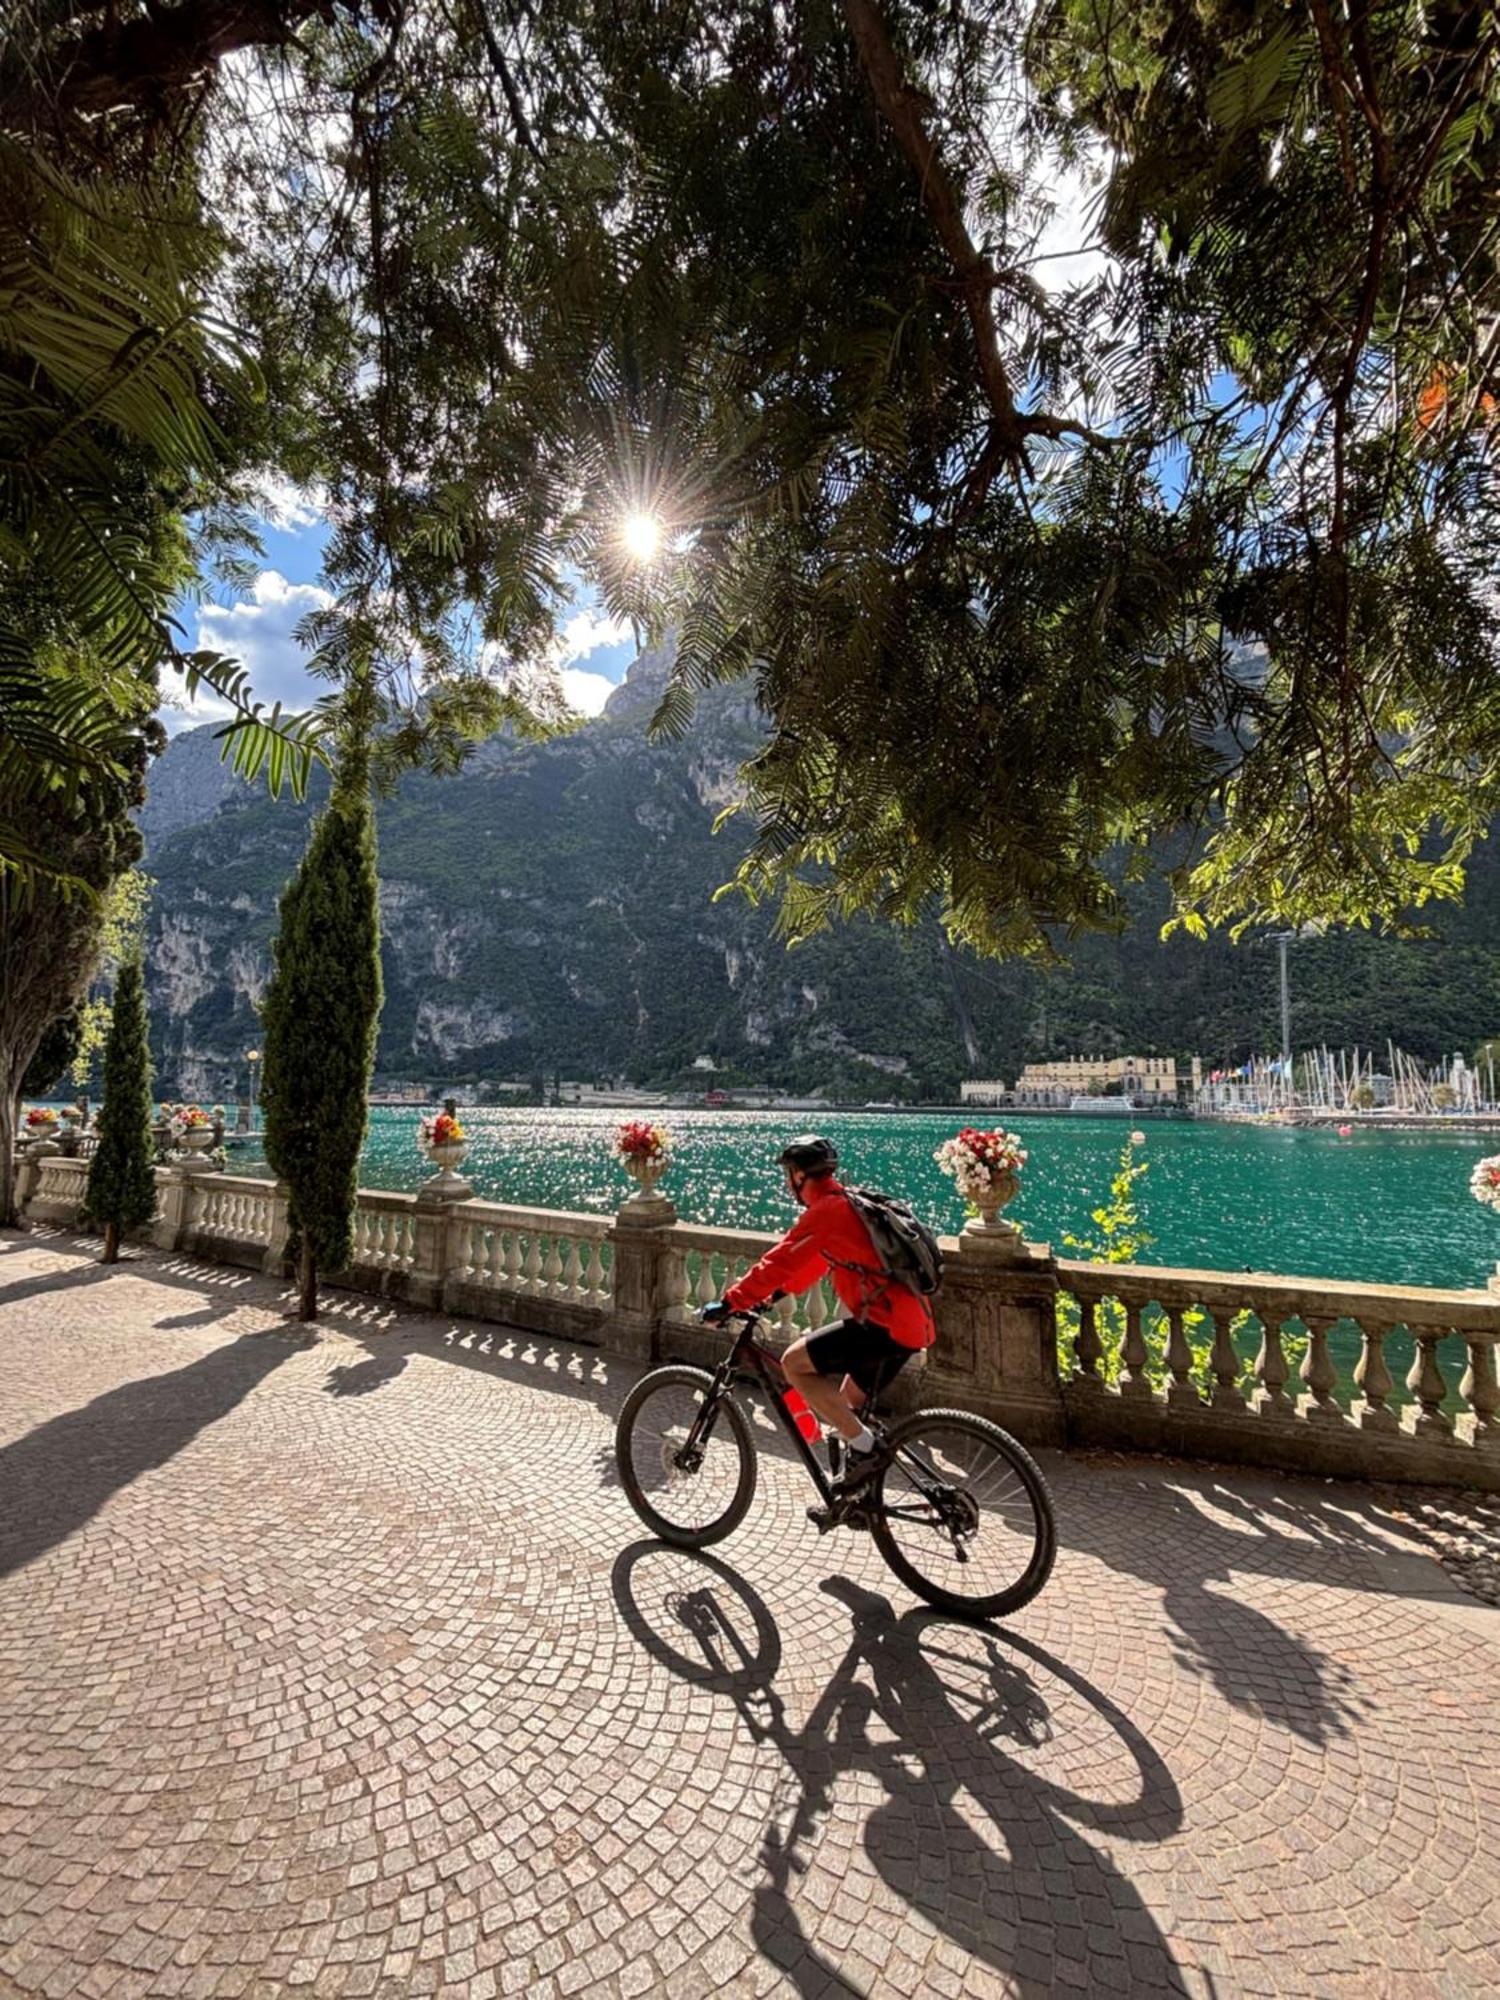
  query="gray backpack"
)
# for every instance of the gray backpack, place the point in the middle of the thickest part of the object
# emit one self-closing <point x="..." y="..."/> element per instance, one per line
<point x="907" y="1249"/>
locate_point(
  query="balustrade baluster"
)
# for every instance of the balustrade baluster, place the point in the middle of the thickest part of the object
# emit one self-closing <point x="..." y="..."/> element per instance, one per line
<point x="1088" y="1349"/>
<point x="489" y="1261"/>
<point x="1480" y="1391"/>
<point x="816" y="1314"/>
<point x="1271" y="1398"/>
<point x="1319" y="1373"/>
<point x="573" y="1273"/>
<point x="673" y="1281"/>
<point x="597" y="1290"/>
<point x="1135" y="1381"/>
<point x="1425" y="1380"/>
<point x="513" y="1260"/>
<point x="1225" y="1363"/>
<point x="705" y="1291"/>
<point x="552" y="1268"/>
<point x="1181" y="1390"/>
<point x="1374" y="1379"/>
<point x="532" y="1270"/>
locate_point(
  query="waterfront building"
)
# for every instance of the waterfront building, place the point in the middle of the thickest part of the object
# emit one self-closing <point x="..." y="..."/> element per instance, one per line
<point x="1143" y="1079"/>
<point x="984" y="1090"/>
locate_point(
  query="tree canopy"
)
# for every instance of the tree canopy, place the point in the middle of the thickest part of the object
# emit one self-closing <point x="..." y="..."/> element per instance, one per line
<point x="1029" y="572"/>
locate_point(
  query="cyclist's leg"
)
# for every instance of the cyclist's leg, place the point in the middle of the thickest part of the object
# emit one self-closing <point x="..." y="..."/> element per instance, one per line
<point x="814" y="1368"/>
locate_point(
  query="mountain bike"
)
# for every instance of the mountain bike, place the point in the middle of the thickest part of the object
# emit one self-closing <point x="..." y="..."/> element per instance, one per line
<point x="958" y="1509"/>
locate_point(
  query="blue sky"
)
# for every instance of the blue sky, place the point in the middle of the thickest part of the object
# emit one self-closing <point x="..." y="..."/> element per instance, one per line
<point x="258" y="628"/>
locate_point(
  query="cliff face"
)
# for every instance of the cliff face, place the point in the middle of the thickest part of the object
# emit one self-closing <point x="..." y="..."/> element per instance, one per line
<point x="551" y="907"/>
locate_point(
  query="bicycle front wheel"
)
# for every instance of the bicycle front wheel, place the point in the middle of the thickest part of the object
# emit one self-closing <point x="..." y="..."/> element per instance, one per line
<point x="963" y="1516"/>
<point x="686" y="1458"/>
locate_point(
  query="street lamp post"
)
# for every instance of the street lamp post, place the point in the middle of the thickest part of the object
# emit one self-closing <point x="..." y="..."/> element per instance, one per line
<point x="252" y="1057"/>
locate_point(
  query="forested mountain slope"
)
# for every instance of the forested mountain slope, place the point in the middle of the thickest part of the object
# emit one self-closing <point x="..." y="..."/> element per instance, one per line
<point x="551" y="908"/>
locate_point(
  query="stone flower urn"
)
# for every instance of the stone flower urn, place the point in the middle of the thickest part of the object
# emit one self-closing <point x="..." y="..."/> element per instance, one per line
<point x="195" y="1141"/>
<point x="447" y="1184"/>
<point x="646" y="1174"/>
<point x="1003" y="1189"/>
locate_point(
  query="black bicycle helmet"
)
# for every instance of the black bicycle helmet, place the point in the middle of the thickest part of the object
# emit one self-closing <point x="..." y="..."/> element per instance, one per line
<point x="810" y="1155"/>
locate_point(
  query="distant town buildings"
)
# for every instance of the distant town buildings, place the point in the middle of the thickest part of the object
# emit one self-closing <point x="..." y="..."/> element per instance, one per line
<point x="1146" y="1080"/>
<point x="984" y="1090"/>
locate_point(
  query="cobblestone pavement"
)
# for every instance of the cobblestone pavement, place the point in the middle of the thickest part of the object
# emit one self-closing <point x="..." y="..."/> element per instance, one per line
<point x="344" y="1667"/>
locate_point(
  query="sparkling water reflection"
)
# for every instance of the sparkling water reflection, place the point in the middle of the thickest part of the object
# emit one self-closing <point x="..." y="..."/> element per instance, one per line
<point x="1386" y="1207"/>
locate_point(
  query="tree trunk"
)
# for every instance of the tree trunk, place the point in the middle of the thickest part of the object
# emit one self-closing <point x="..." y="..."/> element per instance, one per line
<point x="111" y="1243"/>
<point x="307" y="1282"/>
<point x="9" y="1215"/>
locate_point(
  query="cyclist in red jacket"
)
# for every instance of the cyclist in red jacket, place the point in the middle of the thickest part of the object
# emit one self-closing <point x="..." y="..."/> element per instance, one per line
<point x="841" y="1366"/>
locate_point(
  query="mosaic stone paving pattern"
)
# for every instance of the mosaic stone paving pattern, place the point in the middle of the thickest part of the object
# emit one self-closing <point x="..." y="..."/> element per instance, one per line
<point x="340" y="1665"/>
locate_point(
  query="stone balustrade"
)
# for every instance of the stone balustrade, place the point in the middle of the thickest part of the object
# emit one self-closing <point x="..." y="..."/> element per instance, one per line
<point x="1283" y="1371"/>
<point x="1305" y="1374"/>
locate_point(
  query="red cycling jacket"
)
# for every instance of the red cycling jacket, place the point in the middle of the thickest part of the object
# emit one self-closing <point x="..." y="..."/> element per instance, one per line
<point x="829" y="1236"/>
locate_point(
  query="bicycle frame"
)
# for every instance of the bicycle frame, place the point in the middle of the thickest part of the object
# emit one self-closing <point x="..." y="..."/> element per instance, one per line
<point x="748" y="1357"/>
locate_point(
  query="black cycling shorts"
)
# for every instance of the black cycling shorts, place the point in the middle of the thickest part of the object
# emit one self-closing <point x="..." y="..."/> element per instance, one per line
<point x="858" y="1348"/>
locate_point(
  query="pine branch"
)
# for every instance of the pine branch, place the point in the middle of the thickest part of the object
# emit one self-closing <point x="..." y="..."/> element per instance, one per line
<point x="144" y="63"/>
<point x="974" y="275"/>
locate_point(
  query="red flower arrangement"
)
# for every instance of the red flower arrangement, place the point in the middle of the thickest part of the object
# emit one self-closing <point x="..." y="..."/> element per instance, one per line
<point x="644" y="1144"/>
<point x="443" y="1130"/>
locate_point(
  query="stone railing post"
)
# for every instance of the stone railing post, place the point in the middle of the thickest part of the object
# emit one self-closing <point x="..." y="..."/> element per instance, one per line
<point x="176" y="1190"/>
<point x="28" y="1171"/>
<point x="278" y="1232"/>
<point x="434" y="1238"/>
<point x="640" y="1240"/>
<point x="997" y="1333"/>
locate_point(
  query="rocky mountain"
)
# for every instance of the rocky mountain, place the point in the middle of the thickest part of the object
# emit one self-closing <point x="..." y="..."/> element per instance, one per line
<point x="552" y="908"/>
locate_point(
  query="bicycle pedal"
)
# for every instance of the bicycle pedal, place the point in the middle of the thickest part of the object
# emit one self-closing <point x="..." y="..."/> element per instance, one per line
<point x="822" y="1518"/>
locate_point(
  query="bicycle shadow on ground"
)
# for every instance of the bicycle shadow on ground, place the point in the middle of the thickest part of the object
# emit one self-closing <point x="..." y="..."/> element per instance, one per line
<point x="925" y="1705"/>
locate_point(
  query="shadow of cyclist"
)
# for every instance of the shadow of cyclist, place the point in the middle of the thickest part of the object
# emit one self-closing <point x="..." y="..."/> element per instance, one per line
<point x="925" y="1704"/>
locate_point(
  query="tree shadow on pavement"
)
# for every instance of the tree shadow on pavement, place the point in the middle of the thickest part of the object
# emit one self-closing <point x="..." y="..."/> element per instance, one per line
<point x="359" y="1378"/>
<point x="926" y="1705"/>
<point x="56" y="1478"/>
<point x="1197" y="1542"/>
<point x="56" y="1281"/>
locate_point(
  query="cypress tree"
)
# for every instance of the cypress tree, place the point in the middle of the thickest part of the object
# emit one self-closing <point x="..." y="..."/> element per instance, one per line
<point x="122" y="1180"/>
<point x="320" y="1015"/>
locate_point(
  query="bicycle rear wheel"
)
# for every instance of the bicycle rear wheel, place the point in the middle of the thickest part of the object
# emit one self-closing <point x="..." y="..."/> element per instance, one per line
<point x="963" y="1516"/>
<point x="689" y="1480"/>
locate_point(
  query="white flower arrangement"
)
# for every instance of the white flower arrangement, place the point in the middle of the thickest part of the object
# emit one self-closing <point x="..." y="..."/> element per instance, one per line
<point x="1484" y="1182"/>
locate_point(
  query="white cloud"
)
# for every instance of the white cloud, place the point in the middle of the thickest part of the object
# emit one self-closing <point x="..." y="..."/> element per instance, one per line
<point x="585" y="632"/>
<point x="280" y="503"/>
<point x="1068" y="250"/>
<point x="259" y="632"/>
<point x="585" y="693"/>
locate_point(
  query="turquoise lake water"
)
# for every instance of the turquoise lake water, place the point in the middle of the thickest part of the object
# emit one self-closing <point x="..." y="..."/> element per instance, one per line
<point x="1385" y="1207"/>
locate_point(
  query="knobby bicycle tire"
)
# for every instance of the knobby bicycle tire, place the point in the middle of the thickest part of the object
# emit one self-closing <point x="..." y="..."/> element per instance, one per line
<point x="729" y="1413"/>
<point x="1038" y="1569"/>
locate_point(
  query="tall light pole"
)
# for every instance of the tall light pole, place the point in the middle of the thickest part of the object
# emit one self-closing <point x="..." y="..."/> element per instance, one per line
<point x="1281" y="940"/>
<point x="252" y="1057"/>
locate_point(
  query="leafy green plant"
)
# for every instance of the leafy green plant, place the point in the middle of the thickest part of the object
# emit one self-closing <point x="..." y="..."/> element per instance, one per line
<point x="1121" y="1236"/>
